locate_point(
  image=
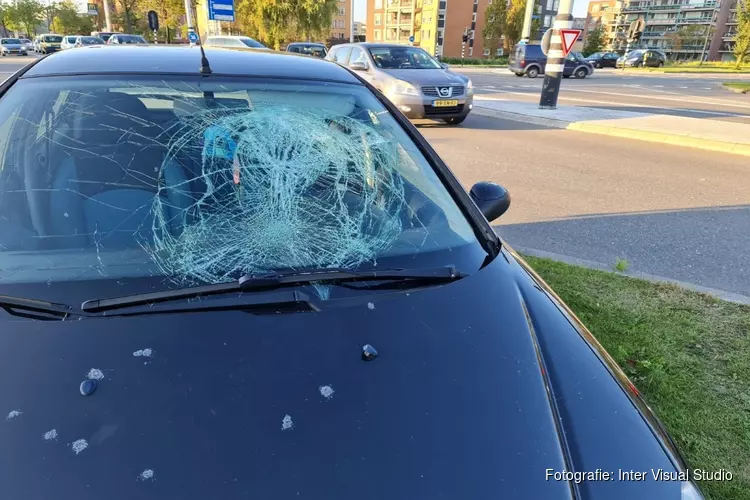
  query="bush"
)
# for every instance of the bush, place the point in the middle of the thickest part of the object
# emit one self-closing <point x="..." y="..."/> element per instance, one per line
<point x="497" y="61"/>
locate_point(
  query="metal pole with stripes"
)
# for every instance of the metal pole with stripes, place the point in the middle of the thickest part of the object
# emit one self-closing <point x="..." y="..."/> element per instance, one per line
<point x="553" y="71"/>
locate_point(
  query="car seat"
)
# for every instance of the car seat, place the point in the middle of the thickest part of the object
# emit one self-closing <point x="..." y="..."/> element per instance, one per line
<point x="103" y="189"/>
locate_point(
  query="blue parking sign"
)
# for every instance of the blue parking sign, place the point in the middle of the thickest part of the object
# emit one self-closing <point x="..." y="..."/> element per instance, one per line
<point x="221" y="10"/>
<point x="411" y="39"/>
<point x="193" y="37"/>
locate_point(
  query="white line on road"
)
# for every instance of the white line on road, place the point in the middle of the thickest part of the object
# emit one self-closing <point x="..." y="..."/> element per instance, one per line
<point x="704" y="100"/>
<point x="620" y="104"/>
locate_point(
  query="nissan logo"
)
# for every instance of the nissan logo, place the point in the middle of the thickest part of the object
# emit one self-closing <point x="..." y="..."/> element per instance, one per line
<point x="444" y="91"/>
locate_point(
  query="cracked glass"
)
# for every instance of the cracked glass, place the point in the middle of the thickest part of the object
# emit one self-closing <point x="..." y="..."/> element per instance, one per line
<point x="203" y="180"/>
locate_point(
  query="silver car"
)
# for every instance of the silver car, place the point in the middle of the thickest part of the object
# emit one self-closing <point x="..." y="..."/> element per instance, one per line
<point x="415" y="82"/>
<point x="11" y="46"/>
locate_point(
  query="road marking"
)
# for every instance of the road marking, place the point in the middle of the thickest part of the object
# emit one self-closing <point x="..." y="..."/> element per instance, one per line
<point x="705" y="100"/>
<point x="683" y="87"/>
<point x="620" y="104"/>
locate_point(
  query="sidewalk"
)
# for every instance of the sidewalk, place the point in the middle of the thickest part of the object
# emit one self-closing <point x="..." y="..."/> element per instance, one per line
<point x="713" y="135"/>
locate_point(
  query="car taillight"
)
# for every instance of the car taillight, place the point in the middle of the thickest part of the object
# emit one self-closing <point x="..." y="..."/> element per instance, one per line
<point x="522" y="63"/>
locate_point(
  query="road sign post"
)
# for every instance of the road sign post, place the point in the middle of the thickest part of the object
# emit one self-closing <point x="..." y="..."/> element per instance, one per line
<point x="221" y="10"/>
<point x="561" y="41"/>
<point x="153" y="24"/>
<point x="464" y="39"/>
<point x="634" y="33"/>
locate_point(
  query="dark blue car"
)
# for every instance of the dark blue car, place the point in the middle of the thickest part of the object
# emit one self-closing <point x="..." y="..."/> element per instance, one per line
<point x="529" y="60"/>
<point x="249" y="276"/>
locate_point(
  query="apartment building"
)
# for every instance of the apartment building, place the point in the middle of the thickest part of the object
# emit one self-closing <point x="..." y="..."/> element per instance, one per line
<point x="438" y="25"/>
<point x="360" y="30"/>
<point x="602" y="13"/>
<point x="665" y="19"/>
<point x="341" y="25"/>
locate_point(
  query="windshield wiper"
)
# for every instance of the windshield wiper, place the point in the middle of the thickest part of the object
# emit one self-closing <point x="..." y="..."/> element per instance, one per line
<point x="35" y="309"/>
<point x="253" y="282"/>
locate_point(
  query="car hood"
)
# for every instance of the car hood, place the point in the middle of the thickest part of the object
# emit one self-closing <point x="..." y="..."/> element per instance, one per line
<point x="462" y="401"/>
<point x="420" y="77"/>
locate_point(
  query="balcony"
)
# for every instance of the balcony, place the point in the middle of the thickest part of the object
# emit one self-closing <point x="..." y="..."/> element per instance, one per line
<point x="695" y="20"/>
<point x="660" y="22"/>
<point x="653" y="34"/>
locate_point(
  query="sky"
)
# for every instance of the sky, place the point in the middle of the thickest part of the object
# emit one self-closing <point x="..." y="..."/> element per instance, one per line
<point x="360" y="8"/>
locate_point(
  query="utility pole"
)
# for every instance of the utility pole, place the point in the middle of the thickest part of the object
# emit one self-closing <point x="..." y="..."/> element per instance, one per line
<point x="107" y="19"/>
<point x="351" y="21"/>
<point x="526" y="31"/>
<point x="189" y="19"/>
<point x="553" y="71"/>
<point x="464" y="39"/>
<point x="705" y="42"/>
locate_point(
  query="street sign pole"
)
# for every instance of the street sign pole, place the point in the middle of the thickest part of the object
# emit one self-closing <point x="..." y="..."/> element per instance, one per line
<point x="189" y="18"/>
<point x="553" y="70"/>
<point x="526" y="31"/>
<point x="464" y="39"/>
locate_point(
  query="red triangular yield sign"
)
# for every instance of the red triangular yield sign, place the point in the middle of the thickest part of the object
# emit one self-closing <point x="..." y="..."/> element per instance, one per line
<point x="569" y="37"/>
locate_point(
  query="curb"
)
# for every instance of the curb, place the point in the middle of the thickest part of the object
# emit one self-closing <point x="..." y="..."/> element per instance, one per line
<point x="627" y="133"/>
<point x="736" y="90"/>
<point x="575" y="261"/>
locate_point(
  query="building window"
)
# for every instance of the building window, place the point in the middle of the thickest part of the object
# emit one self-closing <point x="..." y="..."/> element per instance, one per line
<point x="486" y="52"/>
<point x="342" y="11"/>
<point x="499" y="52"/>
<point x="377" y="34"/>
<point x="341" y="36"/>
<point x="378" y="19"/>
<point x="429" y="35"/>
<point x="489" y="2"/>
<point x="556" y="5"/>
<point x="548" y="20"/>
<point x="378" y="4"/>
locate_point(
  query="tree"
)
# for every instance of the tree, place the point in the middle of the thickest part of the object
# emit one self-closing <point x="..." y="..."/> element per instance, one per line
<point x="688" y="36"/>
<point x="742" y="39"/>
<point x="26" y="15"/>
<point x="127" y="12"/>
<point x="66" y="19"/>
<point x="279" y="21"/>
<point x="170" y="13"/>
<point x="494" y="24"/>
<point x="514" y="23"/>
<point x="595" y="41"/>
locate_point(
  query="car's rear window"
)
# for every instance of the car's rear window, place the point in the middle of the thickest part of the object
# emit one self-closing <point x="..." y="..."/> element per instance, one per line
<point x="11" y="41"/>
<point x="251" y="43"/>
<point x="203" y="180"/>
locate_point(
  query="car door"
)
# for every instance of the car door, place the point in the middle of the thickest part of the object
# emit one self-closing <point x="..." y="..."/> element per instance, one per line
<point x="342" y="55"/>
<point x="609" y="60"/>
<point x="571" y="62"/>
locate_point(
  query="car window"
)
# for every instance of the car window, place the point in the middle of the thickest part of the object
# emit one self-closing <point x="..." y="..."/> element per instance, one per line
<point x="71" y="39"/>
<point x="357" y="55"/>
<point x="52" y="39"/>
<point x="331" y="56"/>
<point x="402" y="58"/>
<point x="293" y="48"/>
<point x="181" y="180"/>
<point x="342" y="54"/>
<point x="249" y="42"/>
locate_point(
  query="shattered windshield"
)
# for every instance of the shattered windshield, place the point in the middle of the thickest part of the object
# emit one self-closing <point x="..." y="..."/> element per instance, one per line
<point x="202" y="181"/>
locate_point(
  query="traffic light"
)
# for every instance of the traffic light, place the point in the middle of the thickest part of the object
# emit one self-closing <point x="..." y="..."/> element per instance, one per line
<point x="637" y="36"/>
<point x="465" y="38"/>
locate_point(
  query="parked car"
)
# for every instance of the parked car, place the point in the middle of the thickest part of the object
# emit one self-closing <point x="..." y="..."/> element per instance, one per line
<point x="85" y="41"/>
<point x="603" y="59"/>
<point x="643" y="57"/>
<point x="529" y="60"/>
<point x="234" y="42"/>
<point x="268" y="263"/>
<point x="49" y="43"/>
<point x="126" y="39"/>
<point x="27" y="45"/>
<point x="307" y="48"/>
<point x="104" y="35"/>
<point x="68" y="42"/>
<point x="11" y="47"/>
<point x="415" y="82"/>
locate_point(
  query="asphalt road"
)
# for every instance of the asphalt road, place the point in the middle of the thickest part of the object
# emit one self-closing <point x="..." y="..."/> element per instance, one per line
<point x="673" y="212"/>
<point x="698" y="96"/>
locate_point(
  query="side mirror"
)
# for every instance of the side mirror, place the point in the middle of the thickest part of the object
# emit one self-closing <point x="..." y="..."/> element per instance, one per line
<point x="358" y="66"/>
<point x="445" y="65"/>
<point x="492" y="199"/>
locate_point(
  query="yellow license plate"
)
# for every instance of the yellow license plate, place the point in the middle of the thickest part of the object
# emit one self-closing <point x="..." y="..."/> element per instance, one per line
<point x="446" y="103"/>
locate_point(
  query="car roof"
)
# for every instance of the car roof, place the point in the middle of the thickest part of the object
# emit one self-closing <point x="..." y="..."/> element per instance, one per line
<point x="306" y="43"/>
<point x="164" y="59"/>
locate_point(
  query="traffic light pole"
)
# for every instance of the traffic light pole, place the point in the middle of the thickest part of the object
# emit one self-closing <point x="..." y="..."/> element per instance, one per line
<point x="553" y="71"/>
